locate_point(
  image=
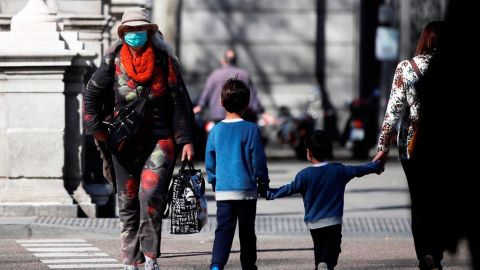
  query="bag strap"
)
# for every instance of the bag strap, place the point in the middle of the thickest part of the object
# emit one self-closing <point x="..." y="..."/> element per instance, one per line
<point x="415" y="68"/>
<point x="185" y="163"/>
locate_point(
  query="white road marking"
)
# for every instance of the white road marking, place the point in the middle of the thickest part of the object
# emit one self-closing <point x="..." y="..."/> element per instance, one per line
<point x="31" y="241"/>
<point x="78" y="260"/>
<point x="63" y="249"/>
<point x="69" y="254"/>
<point x="83" y="266"/>
<point x="58" y="245"/>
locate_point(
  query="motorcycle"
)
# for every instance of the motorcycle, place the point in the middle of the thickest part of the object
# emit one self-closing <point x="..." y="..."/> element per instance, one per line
<point x="294" y="130"/>
<point x="360" y="130"/>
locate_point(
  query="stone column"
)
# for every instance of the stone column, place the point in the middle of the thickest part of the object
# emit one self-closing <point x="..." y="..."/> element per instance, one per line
<point x="41" y="77"/>
<point x="88" y="19"/>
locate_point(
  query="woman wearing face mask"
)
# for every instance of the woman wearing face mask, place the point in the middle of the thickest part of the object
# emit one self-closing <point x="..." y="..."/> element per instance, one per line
<point x="142" y="63"/>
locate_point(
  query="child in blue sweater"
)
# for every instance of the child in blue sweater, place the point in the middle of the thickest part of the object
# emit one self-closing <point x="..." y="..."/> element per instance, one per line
<point x="235" y="163"/>
<point x="322" y="186"/>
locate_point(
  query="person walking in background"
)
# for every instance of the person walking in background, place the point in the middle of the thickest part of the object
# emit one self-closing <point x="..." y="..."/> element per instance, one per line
<point x="210" y="97"/>
<point x="140" y="63"/>
<point x="322" y="186"/>
<point x="235" y="163"/>
<point x="404" y="106"/>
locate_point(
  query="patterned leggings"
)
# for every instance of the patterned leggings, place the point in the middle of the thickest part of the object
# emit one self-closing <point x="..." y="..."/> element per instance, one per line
<point x="143" y="177"/>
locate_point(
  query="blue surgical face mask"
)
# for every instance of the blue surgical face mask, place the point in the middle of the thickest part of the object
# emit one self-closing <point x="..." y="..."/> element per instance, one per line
<point x="136" y="39"/>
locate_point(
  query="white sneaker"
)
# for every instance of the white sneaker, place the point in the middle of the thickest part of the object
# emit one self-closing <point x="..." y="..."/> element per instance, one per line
<point x="130" y="267"/>
<point x="151" y="265"/>
<point x="322" y="266"/>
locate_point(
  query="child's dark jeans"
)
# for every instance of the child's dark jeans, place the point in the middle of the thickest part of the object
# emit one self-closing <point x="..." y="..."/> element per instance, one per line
<point x="227" y="214"/>
<point x="326" y="244"/>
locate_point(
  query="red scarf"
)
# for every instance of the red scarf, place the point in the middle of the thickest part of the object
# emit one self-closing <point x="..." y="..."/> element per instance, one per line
<point x="141" y="67"/>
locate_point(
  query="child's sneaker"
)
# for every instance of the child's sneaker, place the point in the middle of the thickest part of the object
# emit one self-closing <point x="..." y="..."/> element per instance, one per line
<point x="215" y="268"/>
<point x="151" y="265"/>
<point x="130" y="267"/>
<point x="322" y="266"/>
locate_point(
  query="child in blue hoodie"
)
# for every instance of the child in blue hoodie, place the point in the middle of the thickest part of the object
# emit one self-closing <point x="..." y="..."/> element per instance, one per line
<point x="322" y="186"/>
<point x="235" y="163"/>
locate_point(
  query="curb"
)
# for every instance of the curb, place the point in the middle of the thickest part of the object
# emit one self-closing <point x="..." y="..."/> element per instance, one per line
<point x="55" y="227"/>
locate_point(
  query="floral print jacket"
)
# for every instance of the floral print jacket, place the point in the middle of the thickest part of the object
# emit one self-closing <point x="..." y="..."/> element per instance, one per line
<point x="403" y="106"/>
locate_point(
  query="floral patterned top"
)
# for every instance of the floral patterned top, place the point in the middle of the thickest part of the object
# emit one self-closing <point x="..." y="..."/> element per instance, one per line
<point x="403" y="106"/>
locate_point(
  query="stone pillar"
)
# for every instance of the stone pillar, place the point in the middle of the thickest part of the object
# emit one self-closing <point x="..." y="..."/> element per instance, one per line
<point x="88" y="19"/>
<point x="41" y="77"/>
<point x="166" y="14"/>
<point x="342" y="21"/>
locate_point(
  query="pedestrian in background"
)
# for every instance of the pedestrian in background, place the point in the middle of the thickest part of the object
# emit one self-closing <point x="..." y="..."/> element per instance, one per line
<point x="322" y="186"/>
<point x="210" y="97"/>
<point x="404" y="106"/>
<point x="235" y="163"/>
<point x="141" y="63"/>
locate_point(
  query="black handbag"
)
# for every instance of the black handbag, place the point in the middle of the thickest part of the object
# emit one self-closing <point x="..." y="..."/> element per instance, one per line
<point x="125" y="125"/>
<point x="188" y="201"/>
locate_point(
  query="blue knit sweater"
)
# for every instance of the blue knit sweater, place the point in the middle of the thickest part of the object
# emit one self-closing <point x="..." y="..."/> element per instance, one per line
<point x="322" y="187"/>
<point x="235" y="160"/>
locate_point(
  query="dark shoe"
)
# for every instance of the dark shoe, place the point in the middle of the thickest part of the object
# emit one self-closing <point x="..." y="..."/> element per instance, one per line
<point x="429" y="263"/>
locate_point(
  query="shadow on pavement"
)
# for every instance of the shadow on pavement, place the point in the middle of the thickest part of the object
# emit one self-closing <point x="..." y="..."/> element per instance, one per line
<point x="203" y="253"/>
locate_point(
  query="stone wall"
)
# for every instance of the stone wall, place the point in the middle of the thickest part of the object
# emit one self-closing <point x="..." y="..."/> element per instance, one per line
<point x="40" y="86"/>
<point x="342" y="24"/>
<point x="90" y="20"/>
<point x="276" y="41"/>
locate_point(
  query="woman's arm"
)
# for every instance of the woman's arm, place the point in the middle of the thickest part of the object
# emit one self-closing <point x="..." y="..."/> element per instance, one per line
<point x="395" y="108"/>
<point x="183" y="118"/>
<point x="98" y="97"/>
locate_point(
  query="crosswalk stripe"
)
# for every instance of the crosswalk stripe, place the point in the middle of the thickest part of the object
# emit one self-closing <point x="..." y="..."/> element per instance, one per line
<point x="83" y="266"/>
<point x="63" y="249"/>
<point x="57" y="245"/>
<point x="70" y="254"/>
<point x="78" y="260"/>
<point x="31" y="241"/>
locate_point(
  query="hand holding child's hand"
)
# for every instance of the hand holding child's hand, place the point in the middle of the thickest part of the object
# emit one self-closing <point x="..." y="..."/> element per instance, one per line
<point x="380" y="166"/>
<point x="262" y="189"/>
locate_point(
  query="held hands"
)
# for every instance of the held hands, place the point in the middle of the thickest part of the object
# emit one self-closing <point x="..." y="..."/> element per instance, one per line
<point x="188" y="152"/>
<point x="262" y="189"/>
<point x="382" y="158"/>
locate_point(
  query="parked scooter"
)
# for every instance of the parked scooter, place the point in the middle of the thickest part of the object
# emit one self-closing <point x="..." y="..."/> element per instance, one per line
<point x="294" y="130"/>
<point x="360" y="131"/>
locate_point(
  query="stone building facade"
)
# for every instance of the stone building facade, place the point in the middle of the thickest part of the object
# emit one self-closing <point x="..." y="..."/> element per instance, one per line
<point x="281" y="42"/>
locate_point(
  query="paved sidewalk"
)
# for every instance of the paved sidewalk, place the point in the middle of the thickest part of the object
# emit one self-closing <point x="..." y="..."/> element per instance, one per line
<point x="376" y="230"/>
<point x="194" y="252"/>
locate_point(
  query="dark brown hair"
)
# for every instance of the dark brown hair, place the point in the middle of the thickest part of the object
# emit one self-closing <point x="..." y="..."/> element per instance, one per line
<point x="235" y="96"/>
<point x="431" y="38"/>
<point x="320" y="144"/>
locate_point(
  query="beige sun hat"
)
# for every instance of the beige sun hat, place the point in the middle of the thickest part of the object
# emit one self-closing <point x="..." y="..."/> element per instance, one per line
<point x="135" y="16"/>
